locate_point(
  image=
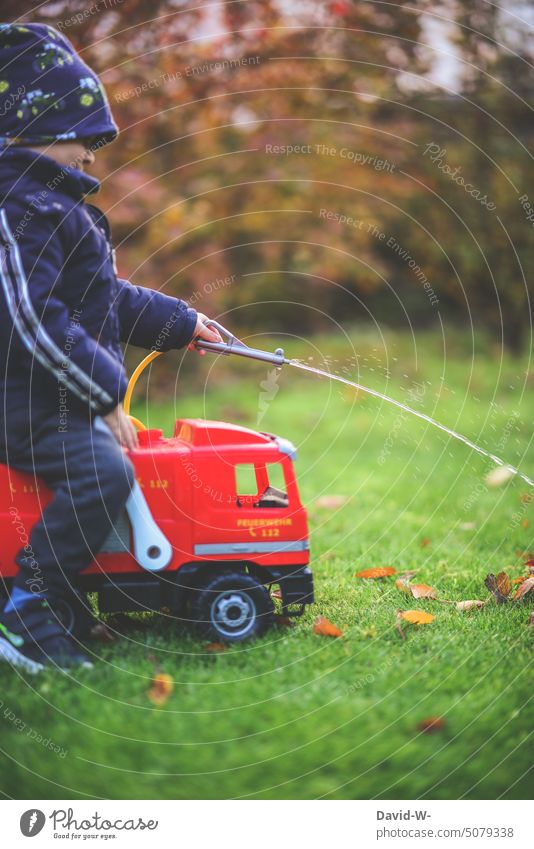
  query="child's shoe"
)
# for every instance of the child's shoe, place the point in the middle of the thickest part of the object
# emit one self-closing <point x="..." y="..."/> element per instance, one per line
<point x="32" y="637"/>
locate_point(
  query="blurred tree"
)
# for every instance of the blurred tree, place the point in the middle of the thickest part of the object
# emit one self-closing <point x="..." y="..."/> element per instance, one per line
<point x="276" y="153"/>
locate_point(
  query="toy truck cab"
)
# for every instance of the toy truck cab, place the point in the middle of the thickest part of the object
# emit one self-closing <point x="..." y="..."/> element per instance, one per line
<point x="215" y="520"/>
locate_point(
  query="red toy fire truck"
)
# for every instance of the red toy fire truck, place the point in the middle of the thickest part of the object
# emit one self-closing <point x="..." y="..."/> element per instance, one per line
<point x="213" y="522"/>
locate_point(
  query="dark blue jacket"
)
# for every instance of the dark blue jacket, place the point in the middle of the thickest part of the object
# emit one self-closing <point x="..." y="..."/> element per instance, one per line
<point x="63" y="310"/>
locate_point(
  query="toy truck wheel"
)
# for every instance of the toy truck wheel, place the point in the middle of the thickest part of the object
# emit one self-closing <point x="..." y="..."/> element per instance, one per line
<point x="232" y="607"/>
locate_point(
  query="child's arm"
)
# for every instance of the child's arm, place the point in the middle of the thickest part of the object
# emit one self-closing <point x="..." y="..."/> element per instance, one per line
<point x="151" y="319"/>
<point x="42" y="331"/>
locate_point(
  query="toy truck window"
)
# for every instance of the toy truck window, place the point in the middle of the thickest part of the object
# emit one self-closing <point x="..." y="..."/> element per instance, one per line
<point x="260" y="485"/>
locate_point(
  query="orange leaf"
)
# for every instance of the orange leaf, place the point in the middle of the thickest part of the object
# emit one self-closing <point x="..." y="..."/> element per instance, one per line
<point x="162" y="687"/>
<point x="417" y="617"/>
<point x="213" y="648"/>
<point x="422" y="591"/>
<point x="520" y="579"/>
<point x="470" y="604"/>
<point x="526" y="587"/>
<point x="503" y="583"/>
<point x="432" y="724"/>
<point x="325" y="628"/>
<point x="500" y="586"/>
<point x="424" y="542"/>
<point x="403" y="586"/>
<point x="377" y="572"/>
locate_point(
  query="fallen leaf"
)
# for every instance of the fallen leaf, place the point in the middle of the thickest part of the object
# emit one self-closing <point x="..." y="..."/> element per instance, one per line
<point x="520" y="580"/>
<point x="494" y="585"/>
<point x="101" y="633"/>
<point x="470" y="604"/>
<point x="417" y="617"/>
<point x="526" y="497"/>
<point x="525" y="523"/>
<point x="526" y="587"/>
<point x="498" y="476"/>
<point x="330" y="502"/>
<point x="503" y="583"/>
<point x="530" y="564"/>
<point x="377" y="572"/>
<point x="284" y="622"/>
<point x="431" y="724"/>
<point x="531" y="619"/>
<point x="213" y="648"/>
<point x="398" y="625"/>
<point x="276" y="594"/>
<point x="425" y="542"/>
<point x="422" y="591"/>
<point x="403" y="586"/>
<point x="325" y="628"/>
<point x="162" y="687"/>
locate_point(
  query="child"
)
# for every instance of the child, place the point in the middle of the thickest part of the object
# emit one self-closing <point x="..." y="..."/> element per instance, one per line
<point x="63" y="314"/>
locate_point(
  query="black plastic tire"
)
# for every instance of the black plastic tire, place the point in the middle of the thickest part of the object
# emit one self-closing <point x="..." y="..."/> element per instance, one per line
<point x="231" y="607"/>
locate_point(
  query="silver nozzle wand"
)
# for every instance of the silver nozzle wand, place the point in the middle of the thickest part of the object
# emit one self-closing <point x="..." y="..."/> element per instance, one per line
<point x="233" y="345"/>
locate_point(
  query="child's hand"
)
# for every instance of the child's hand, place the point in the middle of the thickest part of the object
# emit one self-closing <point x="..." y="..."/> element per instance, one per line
<point x="121" y="427"/>
<point x="203" y="332"/>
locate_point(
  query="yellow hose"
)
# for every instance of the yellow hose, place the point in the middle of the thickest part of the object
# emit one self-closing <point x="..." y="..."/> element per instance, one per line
<point x="131" y="386"/>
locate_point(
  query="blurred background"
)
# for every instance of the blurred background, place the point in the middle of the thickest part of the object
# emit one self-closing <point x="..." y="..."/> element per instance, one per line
<point x="289" y="164"/>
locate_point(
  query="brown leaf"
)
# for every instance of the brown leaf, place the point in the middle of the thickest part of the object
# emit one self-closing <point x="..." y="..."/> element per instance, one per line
<point x="284" y="622"/>
<point x="398" y="625"/>
<point x="520" y="579"/>
<point x="494" y="583"/>
<point x="330" y="502"/>
<point x="162" y="687"/>
<point x="526" y="587"/>
<point x="425" y="542"/>
<point x="470" y="604"/>
<point x="276" y="594"/>
<point x="377" y="572"/>
<point x="213" y="648"/>
<point x="432" y="724"/>
<point x="526" y="497"/>
<point x="403" y="586"/>
<point x="417" y="617"/>
<point x="422" y="591"/>
<point x="530" y="564"/>
<point x="503" y="583"/>
<point x="324" y="628"/>
<point x="101" y="633"/>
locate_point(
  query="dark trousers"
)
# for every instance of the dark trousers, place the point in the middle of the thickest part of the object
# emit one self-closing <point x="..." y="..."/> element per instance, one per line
<point x="91" y="478"/>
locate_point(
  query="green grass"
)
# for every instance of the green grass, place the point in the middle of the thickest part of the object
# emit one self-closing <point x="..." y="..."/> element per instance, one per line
<point x="295" y="715"/>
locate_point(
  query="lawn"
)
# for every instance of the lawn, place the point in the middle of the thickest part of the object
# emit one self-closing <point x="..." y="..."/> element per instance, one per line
<point x="296" y="715"/>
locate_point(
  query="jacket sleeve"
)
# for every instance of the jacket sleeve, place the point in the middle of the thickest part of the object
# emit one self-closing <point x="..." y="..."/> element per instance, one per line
<point x="45" y="334"/>
<point x="152" y="319"/>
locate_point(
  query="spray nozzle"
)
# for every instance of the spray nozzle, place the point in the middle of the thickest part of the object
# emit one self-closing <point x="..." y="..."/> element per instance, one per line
<point x="232" y="345"/>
